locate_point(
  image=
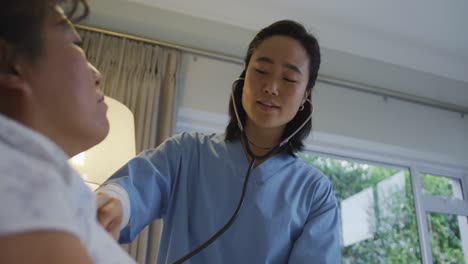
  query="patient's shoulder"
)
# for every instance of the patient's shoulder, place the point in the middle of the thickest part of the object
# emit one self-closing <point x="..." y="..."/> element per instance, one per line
<point x="42" y="247"/>
<point x="34" y="195"/>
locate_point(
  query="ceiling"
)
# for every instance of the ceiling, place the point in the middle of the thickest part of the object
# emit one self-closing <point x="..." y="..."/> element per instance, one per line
<point x="417" y="47"/>
<point x="428" y="35"/>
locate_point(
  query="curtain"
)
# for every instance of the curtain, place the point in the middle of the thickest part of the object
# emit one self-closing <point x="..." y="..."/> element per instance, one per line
<point x="143" y="77"/>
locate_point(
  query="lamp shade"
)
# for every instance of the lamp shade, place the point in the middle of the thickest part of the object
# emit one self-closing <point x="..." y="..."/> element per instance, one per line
<point x="101" y="161"/>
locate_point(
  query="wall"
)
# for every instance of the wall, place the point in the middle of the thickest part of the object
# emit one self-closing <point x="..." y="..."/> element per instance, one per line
<point x="154" y="23"/>
<point x="344" y="119"/>
<point x="356" y="119"/>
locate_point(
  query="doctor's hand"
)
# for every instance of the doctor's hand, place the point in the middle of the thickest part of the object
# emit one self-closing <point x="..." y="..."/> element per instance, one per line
<point x="109" y="214"/>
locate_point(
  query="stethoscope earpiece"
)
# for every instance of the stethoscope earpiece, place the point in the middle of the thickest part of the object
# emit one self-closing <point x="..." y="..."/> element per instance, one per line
<point x="241" y="127"/>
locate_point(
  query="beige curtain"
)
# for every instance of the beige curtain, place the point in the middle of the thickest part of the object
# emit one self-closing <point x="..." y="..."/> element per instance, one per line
<point x="143" y="77"/>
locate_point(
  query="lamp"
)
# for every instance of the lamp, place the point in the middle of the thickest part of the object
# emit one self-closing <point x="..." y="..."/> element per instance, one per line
<point x="99" y="162"/>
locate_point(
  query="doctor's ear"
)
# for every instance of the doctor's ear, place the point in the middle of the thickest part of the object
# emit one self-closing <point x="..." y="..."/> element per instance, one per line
<point x="307" y="93"/>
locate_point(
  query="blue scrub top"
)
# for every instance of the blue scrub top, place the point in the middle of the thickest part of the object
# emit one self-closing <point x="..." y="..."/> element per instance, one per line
<point x="194" y="182"/>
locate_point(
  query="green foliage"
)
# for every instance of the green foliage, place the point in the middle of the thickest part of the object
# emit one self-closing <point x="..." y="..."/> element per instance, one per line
<point x="395" y="237"/>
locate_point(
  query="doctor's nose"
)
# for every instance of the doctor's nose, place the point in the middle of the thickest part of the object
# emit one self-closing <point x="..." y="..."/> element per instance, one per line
<point x="271" y="87"/>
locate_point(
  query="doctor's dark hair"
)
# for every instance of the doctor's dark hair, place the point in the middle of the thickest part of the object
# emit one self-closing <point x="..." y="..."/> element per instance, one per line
<point x="22" y="25"/>
<point x="310" y="44"/>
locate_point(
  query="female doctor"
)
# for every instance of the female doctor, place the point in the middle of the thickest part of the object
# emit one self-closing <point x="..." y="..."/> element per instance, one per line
<point x="242" y="196"/>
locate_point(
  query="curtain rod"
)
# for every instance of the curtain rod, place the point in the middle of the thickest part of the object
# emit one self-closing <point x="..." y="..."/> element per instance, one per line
<point x="386" y="93"/>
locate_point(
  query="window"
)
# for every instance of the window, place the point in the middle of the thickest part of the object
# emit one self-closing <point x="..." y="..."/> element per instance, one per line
<point x="445" y="232"/>
<point x="445" y="210"/>
<point x="378" y="223"/>
<point x="441" y="186"/>
<point x="388" y="215"/>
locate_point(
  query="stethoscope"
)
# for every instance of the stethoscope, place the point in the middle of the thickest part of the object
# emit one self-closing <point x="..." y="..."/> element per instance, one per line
<point x="254" y="158"/>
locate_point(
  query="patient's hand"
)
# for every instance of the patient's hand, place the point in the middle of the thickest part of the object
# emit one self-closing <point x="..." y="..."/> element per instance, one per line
<point x="109" y="214"/>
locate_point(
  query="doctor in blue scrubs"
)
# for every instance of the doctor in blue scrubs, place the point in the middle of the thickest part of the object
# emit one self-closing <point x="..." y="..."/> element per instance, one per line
<point x="242" y="196"/>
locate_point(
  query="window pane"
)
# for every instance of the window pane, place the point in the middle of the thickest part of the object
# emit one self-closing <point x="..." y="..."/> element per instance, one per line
<point x="441" y="186"/>
<point x="378" y="223"/>
<point x="449" y="238"/>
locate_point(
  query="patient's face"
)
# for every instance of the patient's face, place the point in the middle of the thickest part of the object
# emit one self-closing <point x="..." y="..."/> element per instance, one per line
<point x="64" y="89"/>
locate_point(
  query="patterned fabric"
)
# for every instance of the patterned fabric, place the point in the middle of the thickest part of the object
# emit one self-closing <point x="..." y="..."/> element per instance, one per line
<point x="40" y="191"/>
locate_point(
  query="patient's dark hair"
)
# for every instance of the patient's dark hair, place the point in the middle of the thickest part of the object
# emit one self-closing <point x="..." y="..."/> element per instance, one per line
<point x="310" y="44"/>
<point x="22" y="24"/>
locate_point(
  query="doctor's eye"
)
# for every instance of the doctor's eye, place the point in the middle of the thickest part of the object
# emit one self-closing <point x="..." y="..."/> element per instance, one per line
<point x="290" y="80"/>
<point x="260" y="71"/>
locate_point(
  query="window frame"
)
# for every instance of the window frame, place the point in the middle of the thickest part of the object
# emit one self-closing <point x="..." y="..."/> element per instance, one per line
<point x="416" y="163"/>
